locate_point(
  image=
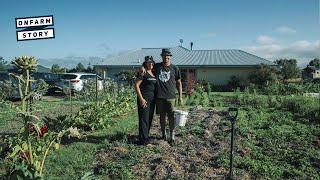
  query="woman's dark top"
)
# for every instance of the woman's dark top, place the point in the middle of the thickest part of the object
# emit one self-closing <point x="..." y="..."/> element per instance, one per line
<point x="148" y="85"/>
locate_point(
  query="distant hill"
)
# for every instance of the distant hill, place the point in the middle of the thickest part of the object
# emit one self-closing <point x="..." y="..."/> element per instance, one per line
<point x="40" y="68"/>
<point x="71" y="61"/>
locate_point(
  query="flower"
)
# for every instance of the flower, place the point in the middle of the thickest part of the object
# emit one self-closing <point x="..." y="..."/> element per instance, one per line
<point x="43" y="130"/>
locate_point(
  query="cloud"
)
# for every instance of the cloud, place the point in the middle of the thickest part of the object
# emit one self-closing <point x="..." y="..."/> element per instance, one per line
<point x="104" y="47"/>
<point x="286" y="29"/>
<point x="301" y="50"/>
<point x="263" y="39"/>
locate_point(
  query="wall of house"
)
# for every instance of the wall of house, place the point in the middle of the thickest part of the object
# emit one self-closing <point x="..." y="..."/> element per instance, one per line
<point x="221" y="75"/>
<point x="215" y="75"/>
<point x="110" y="72"/>
<point x="316" y="74"/>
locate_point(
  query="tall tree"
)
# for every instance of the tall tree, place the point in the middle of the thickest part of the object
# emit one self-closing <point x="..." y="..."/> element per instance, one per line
<point x="55" y="68"/>
<point x="288" y="68"/>
<point x="315" y="62"/>
<point x="80" y="67"/>
<point x="263" y="75"/>
<point x="3" y="64"/>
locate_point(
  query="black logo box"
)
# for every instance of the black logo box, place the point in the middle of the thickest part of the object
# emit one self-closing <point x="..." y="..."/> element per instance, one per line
<point x="33" y="17"/>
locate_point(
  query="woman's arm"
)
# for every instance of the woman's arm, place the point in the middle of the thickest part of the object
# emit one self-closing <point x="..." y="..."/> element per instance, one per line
<point x="143" y="102"/>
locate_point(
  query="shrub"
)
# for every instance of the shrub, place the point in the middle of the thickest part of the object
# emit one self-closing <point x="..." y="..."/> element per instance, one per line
<point x="7" y="90"/>
<point x="263" y="75"/>
<point x="99" y="115"/>
<point x="303" y="107"/>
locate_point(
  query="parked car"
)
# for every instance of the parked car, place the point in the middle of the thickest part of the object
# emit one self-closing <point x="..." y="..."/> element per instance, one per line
<point x="77" y="80"/>
<point x="51" y="79"/>
<point x="9" y="84"/>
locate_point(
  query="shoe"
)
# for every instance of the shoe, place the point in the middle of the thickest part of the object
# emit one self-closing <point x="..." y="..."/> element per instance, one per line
<point x="171" y="141"/>
<point x="164" y="136"/>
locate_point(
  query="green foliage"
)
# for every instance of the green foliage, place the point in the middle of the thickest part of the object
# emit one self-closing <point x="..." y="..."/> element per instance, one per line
<point x="288" y="68"/>
<point x="29" y="148"/>
<point x="263" y="75"/>
<point x="285" y="88"/>
<point x="55" y="68"/>
<point x="236" y="82"/>
<point x="208" y="88"/>
<point x="99" y="115"/>
<point x="128" y="76"/>
<point x="7" y="89"/>
<point x="80" y="67"/>
<point x="3" y="64"/>
<point x="303" y="107"/>
<point x="278" y="147"/>
<point x="315" y="62"/>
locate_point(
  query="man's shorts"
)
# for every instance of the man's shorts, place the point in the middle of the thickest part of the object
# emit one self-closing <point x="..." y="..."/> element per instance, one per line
<point x="165" y="105"/>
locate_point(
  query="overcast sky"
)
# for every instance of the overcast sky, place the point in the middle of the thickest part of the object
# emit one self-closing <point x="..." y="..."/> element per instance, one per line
<point x="268" y="28"/>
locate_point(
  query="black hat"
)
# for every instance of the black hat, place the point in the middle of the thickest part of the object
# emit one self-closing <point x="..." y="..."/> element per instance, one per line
<point x="166" y="52"/>
<point x="147" y="58"/>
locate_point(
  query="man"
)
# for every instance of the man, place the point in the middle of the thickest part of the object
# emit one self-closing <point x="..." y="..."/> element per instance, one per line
<point x="168" y="79"/>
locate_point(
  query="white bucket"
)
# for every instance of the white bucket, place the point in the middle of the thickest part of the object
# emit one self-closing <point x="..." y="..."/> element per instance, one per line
<point x="181" y="117"/>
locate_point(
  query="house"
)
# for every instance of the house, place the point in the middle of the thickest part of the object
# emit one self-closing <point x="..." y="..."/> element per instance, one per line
<point x="315" y="72"/>
<point x="214" y="66"/>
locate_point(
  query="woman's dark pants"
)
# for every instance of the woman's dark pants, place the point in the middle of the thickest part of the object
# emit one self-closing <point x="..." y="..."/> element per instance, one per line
<point x="145" y="120"/>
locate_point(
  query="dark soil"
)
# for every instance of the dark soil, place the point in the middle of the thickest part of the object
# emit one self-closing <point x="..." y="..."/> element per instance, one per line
<point x="194" y="155"/>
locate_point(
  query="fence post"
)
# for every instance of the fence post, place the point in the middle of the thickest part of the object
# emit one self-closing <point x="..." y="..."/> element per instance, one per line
<point x="96" y="88"/>
<point x="70" y="98"/>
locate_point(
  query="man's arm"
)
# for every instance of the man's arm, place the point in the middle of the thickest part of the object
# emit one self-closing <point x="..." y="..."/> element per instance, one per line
<point x="179" y="84"/>
<point x="179" y="87"/>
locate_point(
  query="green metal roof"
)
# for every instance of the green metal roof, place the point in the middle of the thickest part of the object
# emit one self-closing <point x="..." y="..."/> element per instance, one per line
<point x="185" y="57"/>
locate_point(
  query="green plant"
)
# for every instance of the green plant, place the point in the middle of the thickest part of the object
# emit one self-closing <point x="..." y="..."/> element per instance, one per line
<point x="31" y="146"/>
<point x="99" y="115"/>
<point x="7" y="90"/>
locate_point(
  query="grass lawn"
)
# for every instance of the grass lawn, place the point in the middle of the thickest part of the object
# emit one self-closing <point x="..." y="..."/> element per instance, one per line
<point x="76" y="157"/>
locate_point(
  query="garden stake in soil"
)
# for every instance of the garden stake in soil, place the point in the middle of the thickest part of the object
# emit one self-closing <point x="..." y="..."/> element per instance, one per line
<point x="96" y="88"/>
<point x="232" y="115"/>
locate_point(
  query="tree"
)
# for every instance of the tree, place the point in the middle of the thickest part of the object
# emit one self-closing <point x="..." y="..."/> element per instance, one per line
<point x="89" y="70"/>
<point x="80" y="67"/>
<point x="263" y="75"/>
<point x="315" y="62"/>
<point x="3" y="64"/>
<point x="55" y="68"/>
<point x="128" y="76"/>
<point x="288" y="68"/>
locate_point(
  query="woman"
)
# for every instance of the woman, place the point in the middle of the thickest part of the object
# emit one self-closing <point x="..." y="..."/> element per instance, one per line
<point x="145" y="88"/>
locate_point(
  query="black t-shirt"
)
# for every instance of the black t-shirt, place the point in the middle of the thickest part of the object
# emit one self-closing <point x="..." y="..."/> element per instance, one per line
<point x="148" y="85"/>
<point x="166" y="80"/>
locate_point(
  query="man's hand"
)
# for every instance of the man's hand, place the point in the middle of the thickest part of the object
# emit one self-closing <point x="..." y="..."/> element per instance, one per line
<point x="180" y="101"/>
<point x="142" y="70"/>
<point x="143" y="103"/>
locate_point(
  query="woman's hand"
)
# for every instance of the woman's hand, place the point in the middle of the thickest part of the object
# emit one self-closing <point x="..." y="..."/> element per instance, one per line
<point x="143" y="103"/>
